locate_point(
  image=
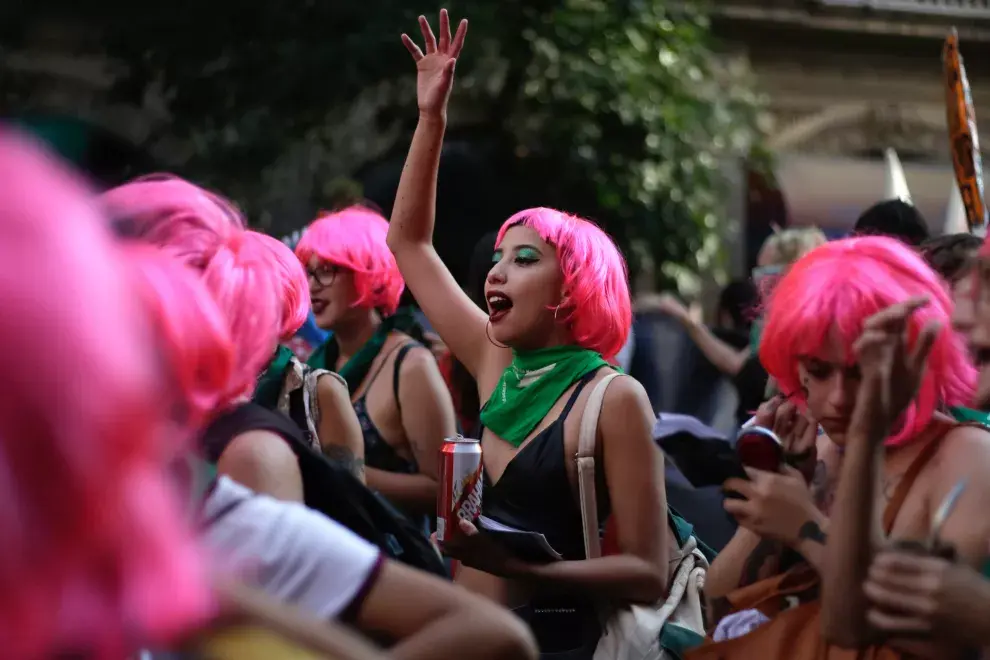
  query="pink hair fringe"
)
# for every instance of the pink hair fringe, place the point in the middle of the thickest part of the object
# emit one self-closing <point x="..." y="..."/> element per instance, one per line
<point x="838" y="286"/>
<point x="355" y="239"/>
<point x="597" y="302"/>
<point x="95" y="554"/>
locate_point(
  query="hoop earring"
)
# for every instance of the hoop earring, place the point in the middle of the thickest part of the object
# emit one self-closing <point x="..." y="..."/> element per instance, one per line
<point x="489" y="335"/>
<point x="556" y="310"/>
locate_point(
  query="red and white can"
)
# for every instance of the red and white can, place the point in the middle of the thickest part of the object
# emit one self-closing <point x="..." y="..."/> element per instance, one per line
<point x="460" y="484"/>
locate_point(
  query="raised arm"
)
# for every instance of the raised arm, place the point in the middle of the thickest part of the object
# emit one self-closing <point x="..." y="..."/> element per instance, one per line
<point x="458" y="321"/>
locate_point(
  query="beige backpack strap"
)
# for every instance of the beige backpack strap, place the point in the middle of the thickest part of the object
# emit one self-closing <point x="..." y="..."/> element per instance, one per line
<point x="586" y="467"/>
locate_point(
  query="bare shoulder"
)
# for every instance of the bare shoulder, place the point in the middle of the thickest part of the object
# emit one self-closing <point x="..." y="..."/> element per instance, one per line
<point x="330" y="386"/>
<point x="626" y="411"/>
<point x="259" y="448"/>
<point x="625" y="395"/>
<point x="418" y="360"/>
<point x="965" y="450"/>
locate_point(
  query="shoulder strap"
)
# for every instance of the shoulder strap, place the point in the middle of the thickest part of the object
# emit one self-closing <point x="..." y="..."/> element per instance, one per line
<point x="399" y="357"/>
<point x="586" y="467"/>
<point x="940" y="429"/>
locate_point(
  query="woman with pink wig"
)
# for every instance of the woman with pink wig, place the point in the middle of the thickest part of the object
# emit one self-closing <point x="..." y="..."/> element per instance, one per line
<point x="558" y="306"/>
<point x="240" y="270"/>
<point x="845" y="319"/>
<point x="96" y="558"/>
<point x="396" y="389"/>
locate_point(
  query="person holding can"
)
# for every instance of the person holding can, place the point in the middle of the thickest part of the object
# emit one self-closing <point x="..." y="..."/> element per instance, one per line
<point x="558" y="306"/>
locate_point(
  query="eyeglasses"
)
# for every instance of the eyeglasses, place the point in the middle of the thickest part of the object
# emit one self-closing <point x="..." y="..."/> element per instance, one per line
<point x="324" y="275"/>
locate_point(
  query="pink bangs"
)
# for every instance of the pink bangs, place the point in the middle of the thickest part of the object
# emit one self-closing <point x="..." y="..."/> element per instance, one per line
<point x="194" y="333"/>
<point x="173" y="214"/>
<point x="95" y="555"/>
<point x="597" y="303"/>
<point x="292" y="282"/>
<point x="355" y="239"/>
<point x="836" y="288"/>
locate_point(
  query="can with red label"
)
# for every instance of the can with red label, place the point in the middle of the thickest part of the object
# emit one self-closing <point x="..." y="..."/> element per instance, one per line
<point x="460" y="484"/>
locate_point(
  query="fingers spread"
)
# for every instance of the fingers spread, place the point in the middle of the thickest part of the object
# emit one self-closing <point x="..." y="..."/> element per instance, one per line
<point x="428" y="38"/>
<point x="458" y="43"/>
<point x="412" y="47"/>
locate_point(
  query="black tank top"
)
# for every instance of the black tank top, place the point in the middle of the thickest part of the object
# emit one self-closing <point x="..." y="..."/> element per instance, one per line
<point x="534" y="493"/>
<point x="378" y="453"/>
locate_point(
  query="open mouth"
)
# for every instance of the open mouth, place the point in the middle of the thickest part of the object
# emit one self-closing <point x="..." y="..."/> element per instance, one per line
<point x="499" y="305"/>
<point x="318" y="305"/>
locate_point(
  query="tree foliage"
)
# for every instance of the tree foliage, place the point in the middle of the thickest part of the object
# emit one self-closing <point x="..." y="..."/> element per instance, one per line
<point x="619" y="109"/>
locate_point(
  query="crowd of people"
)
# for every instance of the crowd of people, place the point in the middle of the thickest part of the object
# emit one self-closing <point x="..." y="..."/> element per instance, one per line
<point x="181" y="484"/>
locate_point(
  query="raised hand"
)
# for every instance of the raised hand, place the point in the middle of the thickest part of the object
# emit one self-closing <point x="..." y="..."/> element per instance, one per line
<point x="435" y="69"/>
<point x="891" y="374"/>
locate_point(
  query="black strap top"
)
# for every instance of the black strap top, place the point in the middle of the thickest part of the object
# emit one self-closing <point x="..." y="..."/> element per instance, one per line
<point x="378" y="453"/>
<point x="534" y="493"/>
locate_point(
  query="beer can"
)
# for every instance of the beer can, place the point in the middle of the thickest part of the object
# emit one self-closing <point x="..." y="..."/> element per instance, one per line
<point x="460" y="485"/>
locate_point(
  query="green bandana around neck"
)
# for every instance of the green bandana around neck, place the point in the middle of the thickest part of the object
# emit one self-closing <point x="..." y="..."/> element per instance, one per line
<point x="531" y="385"/>
<point x="964" y="415"/>
<point x="271" y="380"/>
<point x="356" y="368"/>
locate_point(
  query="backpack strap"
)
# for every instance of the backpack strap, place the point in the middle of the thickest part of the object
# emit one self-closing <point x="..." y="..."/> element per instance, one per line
<point x="587" y="439"/>
<point x="399" y="357"/>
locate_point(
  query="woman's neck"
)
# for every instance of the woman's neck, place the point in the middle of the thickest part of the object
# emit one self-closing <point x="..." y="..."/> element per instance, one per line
<point x="355" y="332"/>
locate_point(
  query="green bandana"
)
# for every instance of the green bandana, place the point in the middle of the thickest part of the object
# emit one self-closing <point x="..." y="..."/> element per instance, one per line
<point x="355" y="370"/>
<point x="531" y="385"/>
<point x="961" y="414"/>
<point x="270" y="382"/>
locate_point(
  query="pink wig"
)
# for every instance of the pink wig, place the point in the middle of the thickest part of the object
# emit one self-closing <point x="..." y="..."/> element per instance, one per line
<point x="241" y="277"/>
<point x="193" y="332"/>
<point x="837" y="287"/>
<point x="174" y="214"/>
<point x="596" y="301"/>
<point x="94" y="554"/>
<point x="239" y="268"/>
<point x="355" y="239"/>
<point x="293" y="284"/>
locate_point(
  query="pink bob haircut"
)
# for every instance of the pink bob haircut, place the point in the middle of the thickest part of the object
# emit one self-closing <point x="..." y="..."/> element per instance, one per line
<point x="837" y="287"/>
<point x="174" y="214"/>
<point x="355" y="239"/>
<point x="242" y="277"/>
<point x="96" y="555"/>
<point x="596" y="303"/>
<point x="193" y="332"/>
<point x="293" y="284"/>
<point x="239" y="268"/>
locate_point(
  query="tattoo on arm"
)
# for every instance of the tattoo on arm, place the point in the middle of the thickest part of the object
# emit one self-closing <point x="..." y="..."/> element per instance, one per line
<point x="812" y="532"/>
<point x="761" y="563"/>
<point x="345" y="457"/>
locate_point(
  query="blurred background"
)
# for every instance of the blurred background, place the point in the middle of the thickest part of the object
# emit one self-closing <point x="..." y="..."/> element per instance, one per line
<point x="687" y="129"/>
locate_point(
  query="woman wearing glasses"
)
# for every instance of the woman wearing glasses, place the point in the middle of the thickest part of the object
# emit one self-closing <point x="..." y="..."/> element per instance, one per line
<point x="394" y="382"/>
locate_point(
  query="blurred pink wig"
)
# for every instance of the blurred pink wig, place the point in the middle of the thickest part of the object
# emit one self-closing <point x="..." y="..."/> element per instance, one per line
<point x="596" y="301"/>
<point x="242" y="277"/>
<point x="239" y="267"/>
<point x="355" y="239"/>
<point x="198" y="351"/>
<point x="837" y="287"/>
<point x="95" y="555"/>
<point x="293" y="284"/>
<point x="174" y="214"/>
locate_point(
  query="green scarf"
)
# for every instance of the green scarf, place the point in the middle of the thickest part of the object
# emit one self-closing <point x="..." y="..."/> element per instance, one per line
<point x="531" y="385"/>
<point x="961" y="414"/>
<point x="356" y="368"/>
<point x="271" y="380"/>
<point x="755" y="332"/>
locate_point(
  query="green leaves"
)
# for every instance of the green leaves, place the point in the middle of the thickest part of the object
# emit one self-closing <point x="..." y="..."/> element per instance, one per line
<point x="618" y="109"/>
